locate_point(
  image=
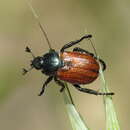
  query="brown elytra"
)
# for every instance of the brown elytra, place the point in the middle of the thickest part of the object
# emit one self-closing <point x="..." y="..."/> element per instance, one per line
<point x="79" y="68"/>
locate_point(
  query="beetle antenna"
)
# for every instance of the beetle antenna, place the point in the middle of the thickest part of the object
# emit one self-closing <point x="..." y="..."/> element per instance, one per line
<point x="27" y="49"/>
<point x="25" y="71"/>
<point x="38" y="21"/>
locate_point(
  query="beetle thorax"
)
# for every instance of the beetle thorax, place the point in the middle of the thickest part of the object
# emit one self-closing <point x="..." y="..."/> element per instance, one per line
<point x="51" y="62"/>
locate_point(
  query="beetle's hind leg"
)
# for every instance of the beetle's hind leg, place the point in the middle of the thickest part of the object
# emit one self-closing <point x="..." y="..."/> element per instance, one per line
<point x="90" y="91"/>
<point x="45" y="84"/>
<point x="60" y="84"/>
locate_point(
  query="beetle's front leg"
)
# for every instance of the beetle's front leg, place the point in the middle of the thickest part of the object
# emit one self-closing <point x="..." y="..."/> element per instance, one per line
<point x="60" y="84"/>
<point x="45" y="84"/>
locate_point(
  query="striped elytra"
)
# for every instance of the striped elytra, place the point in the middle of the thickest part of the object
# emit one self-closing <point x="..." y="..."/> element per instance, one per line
<point x="79" y="68"/>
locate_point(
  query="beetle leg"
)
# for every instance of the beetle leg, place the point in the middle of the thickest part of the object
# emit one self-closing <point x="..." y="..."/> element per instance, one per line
<point x="45" y="84"/>
<point x="90" y="91"/>
<point x="77" y="49"/>
<point x="68" y="45"/>
<point x="102" y="63"/>
<point x="60" y="84"/>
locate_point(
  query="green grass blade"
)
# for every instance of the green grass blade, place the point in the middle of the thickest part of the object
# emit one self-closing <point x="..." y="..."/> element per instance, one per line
<point x="76" y="120"/>
<point x="112" y="122"/>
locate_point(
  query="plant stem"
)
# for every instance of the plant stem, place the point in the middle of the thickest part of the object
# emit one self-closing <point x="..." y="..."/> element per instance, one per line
<point x="112" y="122"/>
<point x="76" y="119"/>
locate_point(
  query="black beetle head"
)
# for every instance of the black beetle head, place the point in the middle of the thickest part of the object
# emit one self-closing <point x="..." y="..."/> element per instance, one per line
<point x="37" y="63"/>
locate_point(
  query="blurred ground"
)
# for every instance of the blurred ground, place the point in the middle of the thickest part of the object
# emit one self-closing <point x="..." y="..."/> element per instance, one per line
<point x="64" y="21"/>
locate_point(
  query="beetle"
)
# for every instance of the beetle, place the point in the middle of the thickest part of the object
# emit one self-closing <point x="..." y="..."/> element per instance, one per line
<point x="77" y="67"/>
